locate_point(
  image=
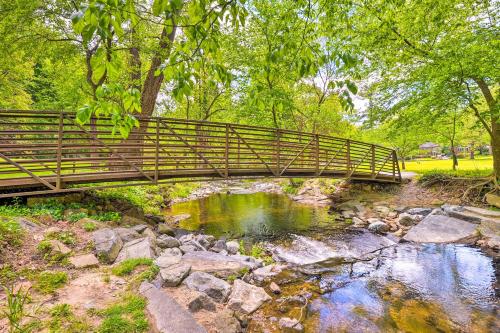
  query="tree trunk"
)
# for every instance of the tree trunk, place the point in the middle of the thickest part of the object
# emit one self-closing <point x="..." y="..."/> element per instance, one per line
<point x="495" y="126"/>
<point x="149" y="94"/>
<point x="495" y="147"/>
<point x="403" y="163"/>
<point x="454" y="156"/>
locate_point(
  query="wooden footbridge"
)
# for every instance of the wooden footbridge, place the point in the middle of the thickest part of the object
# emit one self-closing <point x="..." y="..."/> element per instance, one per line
<point x="45" y="152"/>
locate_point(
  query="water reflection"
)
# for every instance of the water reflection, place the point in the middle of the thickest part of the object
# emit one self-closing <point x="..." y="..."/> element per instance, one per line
<point x="426" y="288"/>
<point x="257" y="214"/>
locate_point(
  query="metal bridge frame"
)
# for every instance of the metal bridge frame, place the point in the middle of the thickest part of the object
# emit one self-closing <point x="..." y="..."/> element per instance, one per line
<point x="49" y="152"/>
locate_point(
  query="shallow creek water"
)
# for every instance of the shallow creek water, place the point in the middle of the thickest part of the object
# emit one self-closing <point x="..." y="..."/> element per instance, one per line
<point x="404" y="288"/>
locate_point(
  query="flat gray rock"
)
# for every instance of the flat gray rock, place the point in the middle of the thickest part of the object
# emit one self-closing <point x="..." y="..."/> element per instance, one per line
<point x="266" y="273"/>
<point x="490" y="230"/>
<point x="166" y="315"/>
<point x="216" y="288"/>
<point x="127" y="234"/>
<point x="246" y="298"/>
<point x="166" y="241"/>
<point x="84" y="261"/>
<point x="307" y="251"/>
<point x="218" y="264"/>
<point x="107" y="244"/>
<point x="173" y="275"/>
<point x="441" y="229"/>
<point x="169" y="257"/>
<point x="138" y="248"/>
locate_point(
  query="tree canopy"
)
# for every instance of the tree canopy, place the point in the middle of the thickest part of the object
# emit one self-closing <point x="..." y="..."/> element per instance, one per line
<point x="298" y="64"/>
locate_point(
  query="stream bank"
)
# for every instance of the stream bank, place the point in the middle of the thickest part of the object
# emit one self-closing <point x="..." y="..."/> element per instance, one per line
<point x="255" y="260"/>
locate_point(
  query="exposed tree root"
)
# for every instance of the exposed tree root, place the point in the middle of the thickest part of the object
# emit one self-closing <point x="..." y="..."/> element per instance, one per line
<point x="469" y="190"/>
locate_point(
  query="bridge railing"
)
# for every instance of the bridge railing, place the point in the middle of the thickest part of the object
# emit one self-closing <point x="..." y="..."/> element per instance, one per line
<point x="46" y="152"/>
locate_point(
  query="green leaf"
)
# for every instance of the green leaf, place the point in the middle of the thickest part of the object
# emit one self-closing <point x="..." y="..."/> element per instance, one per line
<point x="84" y="114"/>
<point x="352" y="87"/>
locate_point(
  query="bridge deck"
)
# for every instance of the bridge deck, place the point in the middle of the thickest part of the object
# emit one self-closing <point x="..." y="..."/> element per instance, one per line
<point x="49" y="152"/>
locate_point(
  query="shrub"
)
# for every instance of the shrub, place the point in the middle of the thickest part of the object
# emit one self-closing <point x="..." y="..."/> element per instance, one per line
<point x="48" y="282"/>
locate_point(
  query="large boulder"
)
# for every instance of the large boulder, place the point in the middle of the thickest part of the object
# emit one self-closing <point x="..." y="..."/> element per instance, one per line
<point x="84" y="261"/>
<point x="246" y="298"/>
<point x="219" y="246"/>
<point x="138" y="248"/>
<point x="201" y="302"/>
<point x="165" y="229"/>
<point x="232" y="247"/>
<point x="173" y="275"/>
<point x="218" y="264"/>
<point x="165" y="241"/>
<point x="107" y="244"/>
<point x="166" y="315"/>
<point x="408" y="220"/>
<point x="441" y="229"/>
<point x="493" y="199"/>
<point x="378" y="227"/>
<point x="485" y="213"/>
<point x="216" y="288"/>
<point x="349" y="247"/>
<point x="490" y="232"/>
<point x="461" y="213"/>
<point x="169" y="257"/>
<point x="127" y="234"/>
<point x="225" y="322"/>
<point x="419" y="211"/>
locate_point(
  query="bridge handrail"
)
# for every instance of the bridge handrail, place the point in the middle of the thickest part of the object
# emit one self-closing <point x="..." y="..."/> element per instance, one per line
<point x="45" y="151"/>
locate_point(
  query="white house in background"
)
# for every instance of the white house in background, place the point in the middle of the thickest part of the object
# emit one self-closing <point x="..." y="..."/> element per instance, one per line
<point x="429" y="149"/>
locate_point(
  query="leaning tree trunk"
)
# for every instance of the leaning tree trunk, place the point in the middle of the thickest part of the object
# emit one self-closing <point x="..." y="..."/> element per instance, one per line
<point x="495" y="126"/>
<point x="495" y="146"/>
<point x="133" y="145"/>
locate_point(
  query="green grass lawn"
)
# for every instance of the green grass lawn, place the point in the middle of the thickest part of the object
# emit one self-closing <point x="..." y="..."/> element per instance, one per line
<point x="480" y="163"/>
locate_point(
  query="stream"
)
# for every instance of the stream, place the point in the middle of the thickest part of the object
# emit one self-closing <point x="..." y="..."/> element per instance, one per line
<point x="403" y="287"/>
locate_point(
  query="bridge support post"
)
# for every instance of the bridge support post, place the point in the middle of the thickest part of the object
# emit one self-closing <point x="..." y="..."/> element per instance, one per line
<point x="348" y="156"/>
<point x="59" y="150"/>
<point x="372" y="164"/>
<point x="157" y="150"/>
<point x="226" y="154"/>
<point x="316" y="152"/>
<point x="278" y="148"/>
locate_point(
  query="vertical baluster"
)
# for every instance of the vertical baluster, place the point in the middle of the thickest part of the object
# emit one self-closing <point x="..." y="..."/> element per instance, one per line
<point x="59" y="150"/>
<point x="372" y="164"/>
<point x="316" y="151"/>
<point x="157" y="150"/>
<point x="348" y="156"/>
<point x="278" y="148"/>
<point x="226" y="155"/>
